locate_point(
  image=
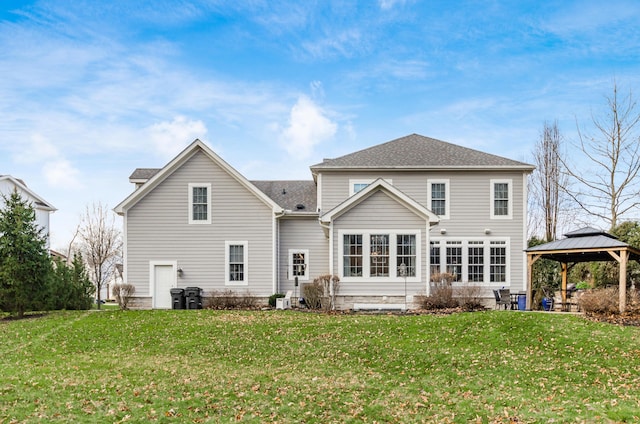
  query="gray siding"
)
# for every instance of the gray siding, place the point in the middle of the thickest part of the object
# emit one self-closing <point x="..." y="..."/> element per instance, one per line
<point x="302" y="233"/>
<point x="380" y="212"/>
<point x="470" y="205"/>
<point x="158" y="229"/>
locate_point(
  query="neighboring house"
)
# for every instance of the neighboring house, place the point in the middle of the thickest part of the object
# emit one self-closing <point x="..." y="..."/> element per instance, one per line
<point x="414" y="204"/>
<point x="42" y="208"/>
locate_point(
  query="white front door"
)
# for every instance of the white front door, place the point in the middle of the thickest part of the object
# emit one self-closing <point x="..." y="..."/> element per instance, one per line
<point x="163" y="279"/>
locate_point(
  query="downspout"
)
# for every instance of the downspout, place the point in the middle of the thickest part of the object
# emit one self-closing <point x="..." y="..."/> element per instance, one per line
<point x="276" y="251"/>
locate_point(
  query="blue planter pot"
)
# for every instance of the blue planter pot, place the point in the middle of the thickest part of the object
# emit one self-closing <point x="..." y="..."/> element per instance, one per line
<point x="547" y="303"/>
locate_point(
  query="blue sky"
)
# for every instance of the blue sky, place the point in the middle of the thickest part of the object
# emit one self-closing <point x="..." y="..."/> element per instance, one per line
<point x="92" y="90"/>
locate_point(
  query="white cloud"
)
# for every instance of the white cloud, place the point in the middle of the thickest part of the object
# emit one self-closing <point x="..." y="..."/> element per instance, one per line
<point x="169" y="138"/>
<point x="308" y="126"/>
<point x="389" y="4"/>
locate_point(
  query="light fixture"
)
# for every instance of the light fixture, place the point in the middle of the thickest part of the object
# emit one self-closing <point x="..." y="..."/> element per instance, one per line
<point x="487" y="230"/>
<point x="443" y="231"/>
<point x="180" y="272"/>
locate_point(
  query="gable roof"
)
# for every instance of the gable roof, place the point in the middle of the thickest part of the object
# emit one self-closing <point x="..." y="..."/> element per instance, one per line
<point x="38" y="201"/>
<point x="418" y="152"/>
<point x="176" y="163"/>
<point x="295" y="196"/>
<point x="380" y="185"/>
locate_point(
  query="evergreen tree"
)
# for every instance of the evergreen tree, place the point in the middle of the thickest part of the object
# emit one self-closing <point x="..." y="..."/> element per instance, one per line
<point x="25" y="265"/>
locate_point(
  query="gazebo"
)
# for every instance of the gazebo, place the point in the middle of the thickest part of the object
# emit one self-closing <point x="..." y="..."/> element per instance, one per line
<point x="583" y="245"/>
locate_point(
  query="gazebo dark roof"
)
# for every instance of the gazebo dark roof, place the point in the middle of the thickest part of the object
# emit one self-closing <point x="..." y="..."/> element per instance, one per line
<point x="584" y="245"/>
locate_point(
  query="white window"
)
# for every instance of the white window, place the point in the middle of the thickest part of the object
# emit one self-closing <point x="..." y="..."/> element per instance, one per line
<point x="357" y="185"/>
<point x="501" y="199"/>
<point x="438" y="197"/>
<point x="199" y="203"/>
<point x="236" y="263"/>
<point x="378" y="255"/>
<point x="471" y="261"/>
<point x="298" y="264"/>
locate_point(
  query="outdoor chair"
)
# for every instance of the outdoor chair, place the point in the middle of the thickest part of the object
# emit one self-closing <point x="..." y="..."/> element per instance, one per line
<point x="502" y="299"/>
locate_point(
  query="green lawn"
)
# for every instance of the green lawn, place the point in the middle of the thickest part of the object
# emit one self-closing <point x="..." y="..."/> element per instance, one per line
<point x="285" y="366"/>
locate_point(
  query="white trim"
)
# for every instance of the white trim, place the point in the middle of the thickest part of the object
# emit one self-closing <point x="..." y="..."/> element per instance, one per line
<point x="525" y="230"/>
<point x="492" y="184"/>
<point x="447" y="197"/>
<point x="393" y="255"/>
<point x="464" y="244"/>
<point x="394" y="193"/>
<point x="152" y="277"/>
<point x="190" y="207"/>
<point x="305" y="276"/>
<point x="319" y="193"/>
<point x="245" y="260"/>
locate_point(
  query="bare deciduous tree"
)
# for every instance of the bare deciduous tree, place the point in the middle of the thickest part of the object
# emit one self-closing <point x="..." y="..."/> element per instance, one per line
<point x="101" y="244"/>
<point x="548" y="198"/>
<point x="609" y="190"/>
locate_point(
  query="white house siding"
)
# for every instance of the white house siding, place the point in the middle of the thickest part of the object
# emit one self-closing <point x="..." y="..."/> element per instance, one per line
<point x="302" y="233"/>
<point x="42" y="215"/>
<point x="158" y="230"/>
<point x="470" y="206"/>
<point x="379" y="212"/>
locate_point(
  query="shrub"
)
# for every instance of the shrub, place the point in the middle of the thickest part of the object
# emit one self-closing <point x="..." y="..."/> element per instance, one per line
<point x="600" y="301"/>
<point x="441" y="296"/>
<point x="273" y="297"/>
<point x="469" y="297"/>
<point x="312" y="294"/>
<point x="123" y="294"/>
<point x="229" y="299"/>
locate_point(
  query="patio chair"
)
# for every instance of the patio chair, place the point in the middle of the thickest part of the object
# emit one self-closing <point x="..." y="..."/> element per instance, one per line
<point x="502" y="299"/>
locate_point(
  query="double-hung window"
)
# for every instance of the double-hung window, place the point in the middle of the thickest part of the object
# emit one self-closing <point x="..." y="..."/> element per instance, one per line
<point x="200" y="203"/>
<point x="406" y="253"/>
<point x="352" y="255"/>
<point x="236" y="266"/>
<point x="501" y="199"/>
<point x="498" y="262"/>
<point x="438" y="197"/>
<point x="454" y="259"/>
<point x="475" y="270"/>
<point x="379" y="255"/>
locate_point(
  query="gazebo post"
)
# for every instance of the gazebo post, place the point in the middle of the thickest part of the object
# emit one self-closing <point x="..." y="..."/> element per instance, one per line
<point x="624" y="258"/>
<point x="563" y="289"/>
<point x="531" y="259"/>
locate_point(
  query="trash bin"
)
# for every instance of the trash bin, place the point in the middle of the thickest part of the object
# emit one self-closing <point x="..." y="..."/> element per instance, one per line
<point x="522" y="302"/>
<point x="177" y="298"/>
<point x="193" y="297"/>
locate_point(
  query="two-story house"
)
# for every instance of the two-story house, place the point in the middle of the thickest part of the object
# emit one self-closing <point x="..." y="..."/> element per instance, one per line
<point x="43" y="209"/>
<point x="383" y="219"/>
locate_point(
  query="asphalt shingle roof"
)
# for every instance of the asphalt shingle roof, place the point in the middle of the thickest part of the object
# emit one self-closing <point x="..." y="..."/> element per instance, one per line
<point x="290" y="195"/>
<point x="418" y="152"/>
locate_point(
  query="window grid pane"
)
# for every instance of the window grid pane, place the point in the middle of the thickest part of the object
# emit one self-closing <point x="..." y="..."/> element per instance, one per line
<point x="434" y="258"/>
<point x="406" y="250"/>
<point x="299" y="264"/>
<point x="498" y="262"/>
<point x="438" y="198"/>
<point x="501" y="199"/>
<point x="476" y="261"/>
<point x="199" y="203"/>
<point x="454" y="260"/>
<point x="236" y="263"/>
<point x="352" y="257"/>
<point x="379" y="255"/>
<point x="359" y="186"/>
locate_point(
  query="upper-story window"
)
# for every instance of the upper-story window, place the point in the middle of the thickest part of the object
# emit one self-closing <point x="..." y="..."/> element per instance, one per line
<point x="358" y="185"/>
<point x="199" y="203"/>
<point x="438" y="197"/>
<point x="501" y="199"/>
